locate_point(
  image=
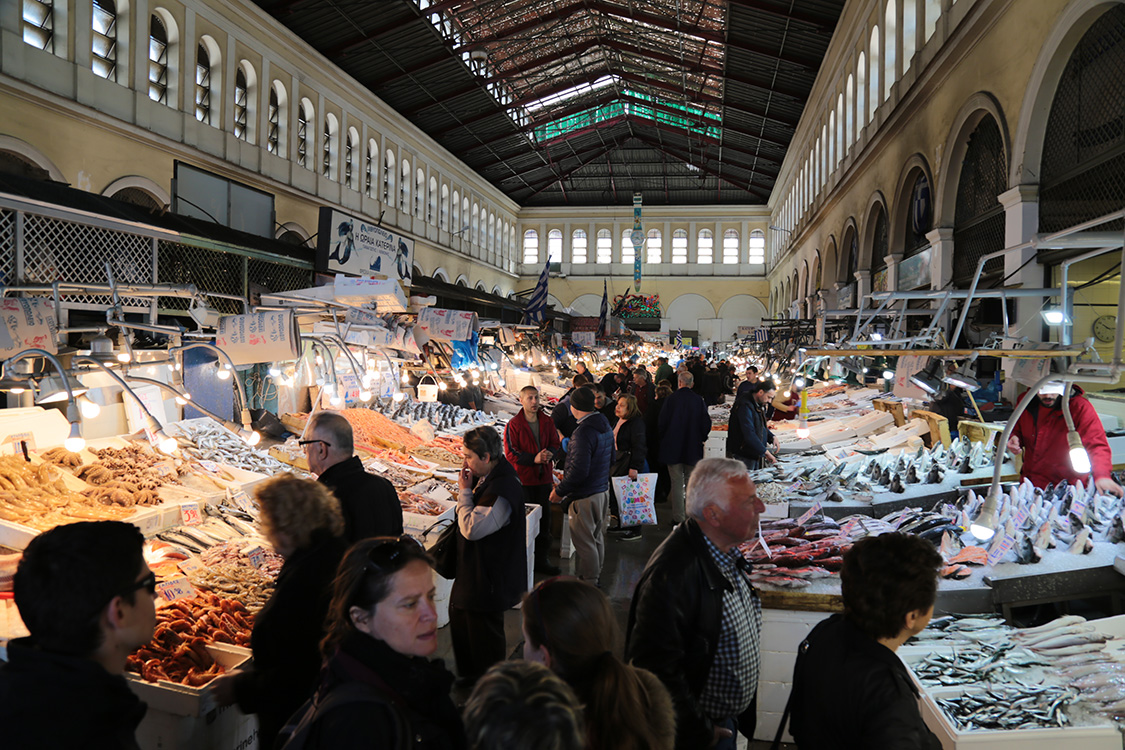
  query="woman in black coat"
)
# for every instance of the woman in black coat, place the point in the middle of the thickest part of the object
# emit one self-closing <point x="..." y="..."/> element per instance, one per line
<point x="302" y="520"/>
<point x="652" y="440"/>
<point x="383" y="690"/>
<point x="630" y="456"/>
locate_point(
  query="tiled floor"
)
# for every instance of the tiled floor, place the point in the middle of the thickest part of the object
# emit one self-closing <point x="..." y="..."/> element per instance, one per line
<point x="623" y="565"/>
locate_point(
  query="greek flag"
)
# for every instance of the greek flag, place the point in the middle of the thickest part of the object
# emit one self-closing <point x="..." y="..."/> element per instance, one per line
<point x="679" y="338"/>
<point x="537" y="305"/>
<point x="761" y="334"/>
<point x="604" y="315"/>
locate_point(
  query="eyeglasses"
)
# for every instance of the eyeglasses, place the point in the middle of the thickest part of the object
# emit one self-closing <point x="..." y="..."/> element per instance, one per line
<point x="148" y="583"/>
<point x="303" y="443"/>
<point x="389" y="549"/>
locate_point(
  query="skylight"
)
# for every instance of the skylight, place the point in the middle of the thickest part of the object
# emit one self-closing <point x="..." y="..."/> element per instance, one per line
<point x="633" y="103"/>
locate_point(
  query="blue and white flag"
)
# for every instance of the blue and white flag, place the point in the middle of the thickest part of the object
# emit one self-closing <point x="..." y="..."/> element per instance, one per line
<point x="537" y="305"/>
<point x="679" y="338"/>
<point x="604" y="314"/>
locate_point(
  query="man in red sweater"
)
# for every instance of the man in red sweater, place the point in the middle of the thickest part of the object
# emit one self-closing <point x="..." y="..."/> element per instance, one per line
<point x="531" y="444"/>
<point x="1041" y="434"/>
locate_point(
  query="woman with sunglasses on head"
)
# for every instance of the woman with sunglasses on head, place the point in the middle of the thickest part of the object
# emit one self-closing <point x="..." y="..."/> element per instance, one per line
<point x="378" y="688"/>
<point x="569" y="627"/>
<point x="491" y="554"/>
<point x="302" y="521"/>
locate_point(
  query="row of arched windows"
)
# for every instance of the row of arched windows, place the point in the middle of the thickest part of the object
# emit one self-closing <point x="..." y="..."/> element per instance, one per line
<point x="653" y="247"/>
<point x="340" y="156"/>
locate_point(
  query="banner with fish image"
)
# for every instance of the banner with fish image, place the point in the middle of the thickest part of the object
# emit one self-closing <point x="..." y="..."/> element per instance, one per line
<point x="29" y="323"/>
<point x="352" y="245"/>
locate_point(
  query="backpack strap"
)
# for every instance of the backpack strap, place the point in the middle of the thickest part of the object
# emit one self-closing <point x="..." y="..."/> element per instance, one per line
<point x="295" y="734"/>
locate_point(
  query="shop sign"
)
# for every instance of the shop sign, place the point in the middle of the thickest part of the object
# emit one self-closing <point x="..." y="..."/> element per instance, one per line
<point x="584" y="338"/>
<point x="915" y="272"/>
<point x="28" y="323"/>
<point x="448" y="325"/>
<point x="269" y="336"/>
<point x="348" y="244"/>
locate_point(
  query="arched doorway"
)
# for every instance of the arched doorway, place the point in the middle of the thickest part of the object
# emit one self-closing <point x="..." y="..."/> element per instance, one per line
<point x="978" y="222"/>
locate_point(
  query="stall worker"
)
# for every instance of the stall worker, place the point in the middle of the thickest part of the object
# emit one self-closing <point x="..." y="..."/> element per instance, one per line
<point x="369" y="503"/>
<point x="88" y="599"/>
<point x="531" y="445"/>
<point x="1041" y="436"/>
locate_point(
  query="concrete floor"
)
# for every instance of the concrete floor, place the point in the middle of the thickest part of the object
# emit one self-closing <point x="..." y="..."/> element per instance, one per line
<point x="624" y="562"/>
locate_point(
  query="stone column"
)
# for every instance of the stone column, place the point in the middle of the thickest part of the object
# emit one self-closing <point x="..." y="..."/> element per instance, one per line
<point x="941" y="267"/>
<point x="1021" y="223"/>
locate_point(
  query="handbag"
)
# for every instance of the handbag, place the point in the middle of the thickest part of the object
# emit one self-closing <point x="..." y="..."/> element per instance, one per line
<point x="635" y="499"/>
<point x="444" y="547"/>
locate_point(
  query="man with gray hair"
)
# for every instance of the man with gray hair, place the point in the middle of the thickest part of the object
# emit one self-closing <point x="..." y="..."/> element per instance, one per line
<point x="695" y="619"/>
<point x="369" y="503"/>
<point x="684" y="425"/>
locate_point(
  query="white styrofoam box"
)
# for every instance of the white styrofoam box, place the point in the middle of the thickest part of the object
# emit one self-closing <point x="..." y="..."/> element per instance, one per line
<point x="533" y="518"/>
<point x="443" y="587"/>
<point x="782" y="633"/>
<point x="776" y="666"/>
<point x="220" y="729"/>
<point x="183" y="700"/>
<point x="775" y="510"/>
<point x="782" y="636"/>
<point x="766" y="728"/>
<point x="416" y="523"/>
<point x="47" y="427"/>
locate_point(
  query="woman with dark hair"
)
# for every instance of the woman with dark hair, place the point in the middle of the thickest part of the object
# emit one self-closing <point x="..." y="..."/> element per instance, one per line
<point x="491" y="554"/>
<point x="569" y="627"/>
<point x="748" y="435"/>
<point x="302" y="521"/>
<point x="630" y="456"/>
<point x="850" y="690"/>
<point x="378" y="688"/>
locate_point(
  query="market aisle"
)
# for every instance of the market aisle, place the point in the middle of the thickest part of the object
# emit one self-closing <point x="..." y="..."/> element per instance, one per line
<point x="624" y="561"/>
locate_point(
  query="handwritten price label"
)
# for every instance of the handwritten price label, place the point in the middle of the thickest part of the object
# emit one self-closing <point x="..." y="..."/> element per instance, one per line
<point x="177" y="588"/>
<point x="190" y="515"/>
<point x="808" y="514"/>
<point x="189" y="565"/>
<point x="1000" y="549"/>
<point x="257" y="556"/>
<point x="242" y="500"/>
<point x="1078" y="507"/>
<point x="210" y="466"/>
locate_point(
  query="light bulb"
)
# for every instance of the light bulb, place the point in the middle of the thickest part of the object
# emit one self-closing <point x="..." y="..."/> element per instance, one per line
<point x="223" y="374"/>
<point x="876" y="337"/>
<point x="124" y="356"/>
<point x="88" y="408"/>
<point x="405" y="377"/>
<point x="984" y="528"/>
<point x="443" y="386"/>
<point x="74" y="441"/>
<point x="399" y="396"/>
<point x="335" y="401"/>
<point x="788" y="394"/>
<point x="864" y="370"/>
<point x="982" y="533"/>
<point x="275" y="372"/>
<point x="17" y="390"/>
<point x="167" y="445"/>
<point x="250" y="436"/>
<point x="1053" y="317"/>
<point x="330" y="388"/>
<point x="150" y="371"/>
<point x="502" y="383"/>
<point x="319" y="360"/>
<point x="177" y="366"/>
<point x="799" y="382"/>
<point x="888" y="375"/>
<point x="181" y="401"/>
<point x="366" y="395"/>
<point x="1079" y="458"/>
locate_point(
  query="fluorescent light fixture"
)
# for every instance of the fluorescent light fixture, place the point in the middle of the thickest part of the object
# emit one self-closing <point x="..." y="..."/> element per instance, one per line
<point x="52" y="390"/>
<point x="876" y="337"/>
<point x="1079" y="458"/>
<point x="962" y="379"/>
<point x="927" y="379"/>
<point x="1053" y="316"/>
<point x="1053" y="388"/>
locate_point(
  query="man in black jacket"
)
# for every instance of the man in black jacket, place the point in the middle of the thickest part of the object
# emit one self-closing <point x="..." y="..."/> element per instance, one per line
<point x="695" y="619"/>
<point x="88" y="599"/>
<point x="585" y="484"/>
<point x="850" y="690"/>
<point x="369" y="503"/>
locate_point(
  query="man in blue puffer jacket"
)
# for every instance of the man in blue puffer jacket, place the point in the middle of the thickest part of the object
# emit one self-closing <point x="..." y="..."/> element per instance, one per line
<point x="585" y="483"/>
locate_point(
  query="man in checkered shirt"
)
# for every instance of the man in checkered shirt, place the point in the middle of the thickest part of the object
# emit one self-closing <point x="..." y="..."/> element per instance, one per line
<point x="695" y="619"/>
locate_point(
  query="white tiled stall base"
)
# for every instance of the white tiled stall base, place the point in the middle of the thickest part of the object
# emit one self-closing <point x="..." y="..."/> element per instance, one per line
<point x="782" y="632"/>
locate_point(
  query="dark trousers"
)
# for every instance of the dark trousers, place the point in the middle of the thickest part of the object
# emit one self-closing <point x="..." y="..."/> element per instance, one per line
<point x="539" y="494"/>
<point x="478" y="640"/>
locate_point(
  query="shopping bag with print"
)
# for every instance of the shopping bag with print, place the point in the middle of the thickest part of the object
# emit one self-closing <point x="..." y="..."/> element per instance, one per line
<point x="635" y="498"/>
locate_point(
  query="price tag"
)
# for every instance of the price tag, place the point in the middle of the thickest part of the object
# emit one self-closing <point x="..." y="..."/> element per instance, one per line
<point x="20" y="442"/>
<point x="257" y="556"/>
<point x="377" y="466"/>
<point x="1078" y="507"/>
<point x="189" y="565"/>
<point x="1001" y="548"/>
<point x="241" y="500"/>
<point x="808" y="514"/>
<point x="1019" y="517"/>
<point x="762" y="541"/>
<point x="209" y="466"/>
<point x="165" y="468"/>
<point x="190" y="515"/>
<point x="177" y="588"/>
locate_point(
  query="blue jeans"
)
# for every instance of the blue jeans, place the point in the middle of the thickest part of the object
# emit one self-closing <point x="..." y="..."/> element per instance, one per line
<point x="729" y="743"/>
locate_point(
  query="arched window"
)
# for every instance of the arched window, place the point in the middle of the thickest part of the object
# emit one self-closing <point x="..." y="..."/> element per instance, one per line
<point x="443" y="211"/>
<point x="330" y="149"/>
<point x="909" y="32"/>
<point x="730" y="246"/>
<point x="474" y="236"/>
<point x="530" y="246"/>
<point x="679" y="246"/>
<point x="203" y="84"/>
<point x="627" y="249"/>
<point x="654" y="250"/>
<point x="103" y="39"/>
<point x="371" y="167"/>
<point x="39" y="24"/>
<point x="245" y="96"/>
<point x="757" y="247"/>
<point x="554" y="246"/>
<point x="157" y="60"/>
<point x="491" y="231"/>
<point x="890" y="52"/>
<point x="880" y="247"/>
<point x="839" y="130"/>
<point x="404" y="186"/>
<point x="455" y="223"/>
<point x="465" y="225"/>
<point x="431" y="203"/>
<point x="849" y="111"/>
<point x="605" y="246"/>
<point x="933" y="12"/>
<point x="705" y="250"/>
<point x="305" y="120"/>
<point x="919" y="216"/>
<point x="860" y="93"/>
<point x="978" y="222"/>
<point x="419" y="191"/>
<point x="389" y="178"/>
<point x="578" y="246"/>
<point x="351" y="158"/>
<point x="276" y="120"/>
<point x="873" y="72"/>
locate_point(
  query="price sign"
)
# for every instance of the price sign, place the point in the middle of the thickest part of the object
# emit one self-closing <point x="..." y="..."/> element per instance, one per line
<point x="808" y="514"/>
<point x="177" y="588"/>
<point x="190" y="515"/>
<point x="257" y="556"/>
<point x="209" y="466"/>
<point x="1078" y="507"/>
<point x="242" y="501"/>
<point x="1001" y="548"/>
<point x="189" y="565"/>
<point x="762" y="541"/>
<point x="164" y="468"/>
<point x="20" y="442"/>
<point x="1019" y="517"/>
<point x="377" y="466"/>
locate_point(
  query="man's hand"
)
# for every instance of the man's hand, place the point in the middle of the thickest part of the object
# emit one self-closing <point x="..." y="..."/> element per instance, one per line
<point x="543" y="456"/>
<point x="633" y="474"/>
<point x="720" y="734"/>
<point x="222" y="688"/>
<point x="554" y="498"/>
<point x="1014" y="444"/>
<point x="770" y="458"/>
<point x="1109" y="486"/>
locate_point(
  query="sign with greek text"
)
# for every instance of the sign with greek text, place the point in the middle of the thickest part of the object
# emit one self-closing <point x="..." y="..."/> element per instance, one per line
<point x="448" y="325"/>
<point x="189" y="565"/>
<point x="268" y="336"/>
<point x="190" y="515"/>
<point x="177" y="588"/>
<point x="351" y="245"/>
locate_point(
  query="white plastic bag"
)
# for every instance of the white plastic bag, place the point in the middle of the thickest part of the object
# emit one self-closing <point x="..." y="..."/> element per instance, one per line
<point x="636" y="499"/>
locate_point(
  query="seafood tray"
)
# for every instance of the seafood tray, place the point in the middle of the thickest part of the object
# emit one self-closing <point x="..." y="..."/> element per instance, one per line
<point x="183" y="700"/>
<point x="419" y="522"/>
<point x="1101" y="736"/>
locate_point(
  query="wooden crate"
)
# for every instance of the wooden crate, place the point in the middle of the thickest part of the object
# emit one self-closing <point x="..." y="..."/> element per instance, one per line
<point x="939" y="427"/>
<point x="894" y="408"/>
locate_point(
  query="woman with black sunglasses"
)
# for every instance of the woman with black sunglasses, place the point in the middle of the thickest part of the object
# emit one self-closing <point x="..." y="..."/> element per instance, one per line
<point x="378" y="688"/>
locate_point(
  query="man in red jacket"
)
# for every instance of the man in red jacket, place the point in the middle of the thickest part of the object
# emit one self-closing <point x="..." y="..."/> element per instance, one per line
<point x="531" y="444"/>
<point x="1041" y="434"/>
